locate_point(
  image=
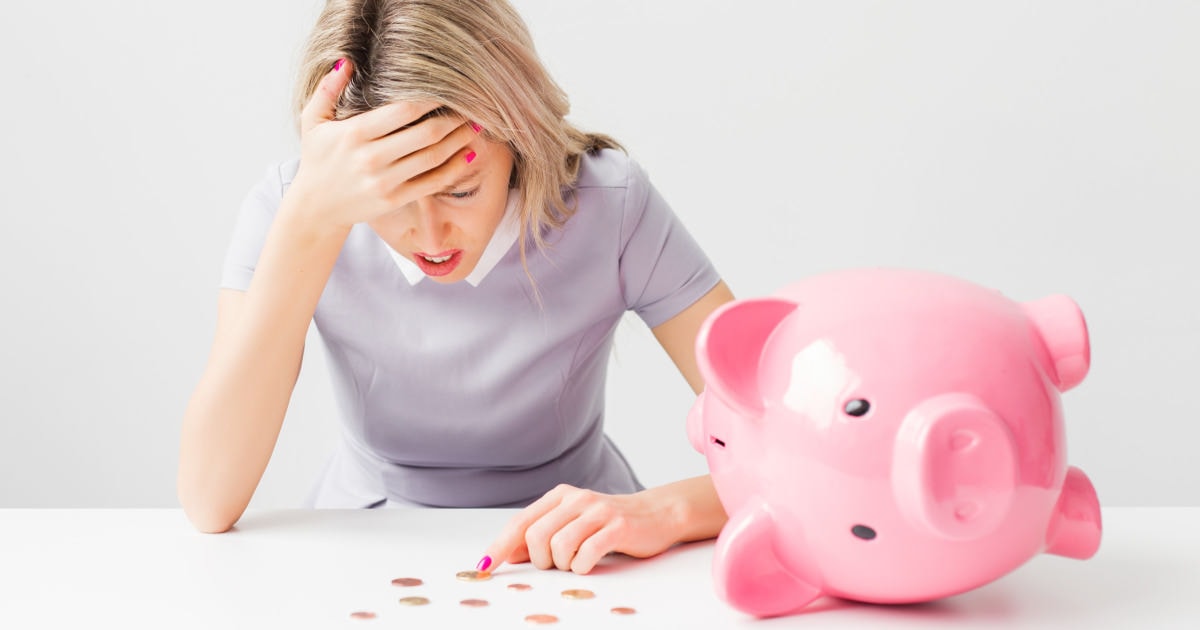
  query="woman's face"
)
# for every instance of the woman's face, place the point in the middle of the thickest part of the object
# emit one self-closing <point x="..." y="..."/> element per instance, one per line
<point x="445" y="233"/>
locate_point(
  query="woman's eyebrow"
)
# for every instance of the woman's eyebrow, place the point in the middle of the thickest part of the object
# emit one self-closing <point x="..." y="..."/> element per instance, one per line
<point x="462" y="180"/>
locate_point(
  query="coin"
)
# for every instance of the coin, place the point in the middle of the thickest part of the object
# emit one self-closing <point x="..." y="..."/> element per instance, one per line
<point x="474" y="603"/>
<point x="414" y="601"/>
<point x="473" y="576"/>
<point x="519" y="587"/>
<point x="362" y="614"/>
<point x="578" y="593"/>
<point x="622" y="610"/>
<point x="538" y="620"/>
<point x="407" y="582"/>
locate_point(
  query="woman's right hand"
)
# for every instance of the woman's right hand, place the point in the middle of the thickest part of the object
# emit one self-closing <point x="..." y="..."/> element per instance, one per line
<point x="354" y="170"/>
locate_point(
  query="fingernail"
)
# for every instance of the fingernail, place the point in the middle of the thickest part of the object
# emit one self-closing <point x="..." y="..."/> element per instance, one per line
<point x="469" y="158"/>
<point x="475" y="126"/>
<point x="338" y="66"/>
<point x="487" y="560"/>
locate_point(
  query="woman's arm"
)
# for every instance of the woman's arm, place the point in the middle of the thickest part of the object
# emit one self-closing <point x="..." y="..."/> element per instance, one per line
<point x="233" y="418"/>
<point x="572" y="529"/>
<point x="678" y="334"/>
<point x="351" y="171"/>
<point x="701" y="513"/>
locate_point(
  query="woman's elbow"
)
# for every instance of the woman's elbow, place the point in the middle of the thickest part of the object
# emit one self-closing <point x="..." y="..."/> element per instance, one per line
<point x="206" y="516"/>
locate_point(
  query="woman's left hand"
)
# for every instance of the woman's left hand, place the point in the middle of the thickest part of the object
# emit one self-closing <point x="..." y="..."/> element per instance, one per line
<point x="572" y="529"/>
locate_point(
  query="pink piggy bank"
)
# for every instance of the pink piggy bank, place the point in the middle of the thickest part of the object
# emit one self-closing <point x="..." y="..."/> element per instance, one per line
<point x="888" y="436"/>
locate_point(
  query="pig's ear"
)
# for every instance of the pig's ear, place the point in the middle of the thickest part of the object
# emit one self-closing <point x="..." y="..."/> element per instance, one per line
<point x="1061" y="327"/>
<point x="730" y="344"/>
<point x="954" y="467"/>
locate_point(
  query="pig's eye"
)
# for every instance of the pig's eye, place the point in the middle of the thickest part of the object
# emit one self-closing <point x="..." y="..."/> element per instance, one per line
<point x="858" y="407"/>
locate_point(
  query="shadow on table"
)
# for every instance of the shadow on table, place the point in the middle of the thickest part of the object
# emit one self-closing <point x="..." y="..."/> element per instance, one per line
<point x="1049" y="591"/>
<point x="618" y="562"/>
<point x="305" y="522"/>
<point x="257" y="522"/>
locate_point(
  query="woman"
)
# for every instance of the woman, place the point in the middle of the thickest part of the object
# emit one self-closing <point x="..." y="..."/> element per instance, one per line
<point x="466" y="255"/>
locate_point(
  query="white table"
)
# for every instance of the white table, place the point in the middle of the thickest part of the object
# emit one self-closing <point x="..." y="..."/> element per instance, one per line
<point x="311" y="569"/>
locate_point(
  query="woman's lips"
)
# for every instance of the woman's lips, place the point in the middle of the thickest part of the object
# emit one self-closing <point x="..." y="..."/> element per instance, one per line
<point x="438" y="268"/>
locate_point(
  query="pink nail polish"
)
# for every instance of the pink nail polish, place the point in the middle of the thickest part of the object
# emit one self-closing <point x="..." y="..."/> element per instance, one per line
<point x="484" y="564"/>
<point x="470" y="157"/>
<point x="475" y="126"/>
<point x="338" y="66"/>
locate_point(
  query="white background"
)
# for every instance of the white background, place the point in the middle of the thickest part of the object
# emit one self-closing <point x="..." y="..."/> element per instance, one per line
<point x="1034" y="147"/>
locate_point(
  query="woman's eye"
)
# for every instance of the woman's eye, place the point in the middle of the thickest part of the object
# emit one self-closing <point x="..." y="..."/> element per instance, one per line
<point x="463" y="195"/>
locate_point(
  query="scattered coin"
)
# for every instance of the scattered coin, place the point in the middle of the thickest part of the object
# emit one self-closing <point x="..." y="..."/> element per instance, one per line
<point x="407" y="582"/>
<point x="474" y="603"/>
<point x="362" y="614"/>
<point x="519" y="587"/>
<point x="539" y="620"/>
<point x="578" y="593"/>
<point x="622" y="610"/>
<point x="473" y="576"/>
<point x="414" y="601"/>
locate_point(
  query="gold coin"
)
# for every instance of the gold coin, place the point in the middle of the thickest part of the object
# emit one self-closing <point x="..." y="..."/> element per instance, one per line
<point x="474" y="603"/>
<point x="519" y="587"/>
<point x="407" y="582"/>
<point x="622" y="610"/>
<point x="362" y="614"/>
<point x="538" y="620"/>
<point x="578" y="593"/>
<point x="414" y="601"/>
<point x="473" y="576"/>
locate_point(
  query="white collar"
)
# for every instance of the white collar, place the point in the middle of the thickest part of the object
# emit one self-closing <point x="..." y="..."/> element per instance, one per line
<point x="502" y="239"/>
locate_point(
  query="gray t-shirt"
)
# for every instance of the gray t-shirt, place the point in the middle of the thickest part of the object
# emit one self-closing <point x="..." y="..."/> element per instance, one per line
<point x="477" y="395"/>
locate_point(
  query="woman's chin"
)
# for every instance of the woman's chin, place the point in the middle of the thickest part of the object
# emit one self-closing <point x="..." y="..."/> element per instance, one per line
<point x="457" y="275"/>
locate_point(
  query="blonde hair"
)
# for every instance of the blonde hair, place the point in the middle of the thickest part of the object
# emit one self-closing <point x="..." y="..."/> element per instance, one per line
<point x="474" y="57"/>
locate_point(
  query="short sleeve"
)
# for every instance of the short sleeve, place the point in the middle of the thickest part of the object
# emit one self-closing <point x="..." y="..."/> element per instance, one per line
<point x="250" y="232"/>
<point x="663" y="270"/>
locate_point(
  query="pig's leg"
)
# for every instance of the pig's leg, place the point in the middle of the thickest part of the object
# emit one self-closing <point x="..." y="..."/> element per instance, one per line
<point x="748" y="573"/>
<point x="1075" y="527"/>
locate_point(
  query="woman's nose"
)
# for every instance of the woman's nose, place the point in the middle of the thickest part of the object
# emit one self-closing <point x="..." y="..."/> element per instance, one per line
<point x="430" y="229"/>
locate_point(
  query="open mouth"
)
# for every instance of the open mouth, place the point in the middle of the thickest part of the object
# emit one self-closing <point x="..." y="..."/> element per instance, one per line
<point x="438" y="264"/>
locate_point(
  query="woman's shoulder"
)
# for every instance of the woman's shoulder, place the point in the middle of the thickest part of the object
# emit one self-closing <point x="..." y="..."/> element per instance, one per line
<point x="608" y="168"/>
<point x="285" y="170"/>
<point x="276" y="177"/>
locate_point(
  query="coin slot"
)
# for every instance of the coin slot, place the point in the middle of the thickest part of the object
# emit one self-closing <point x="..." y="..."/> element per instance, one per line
<point x="718" y="441"/>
